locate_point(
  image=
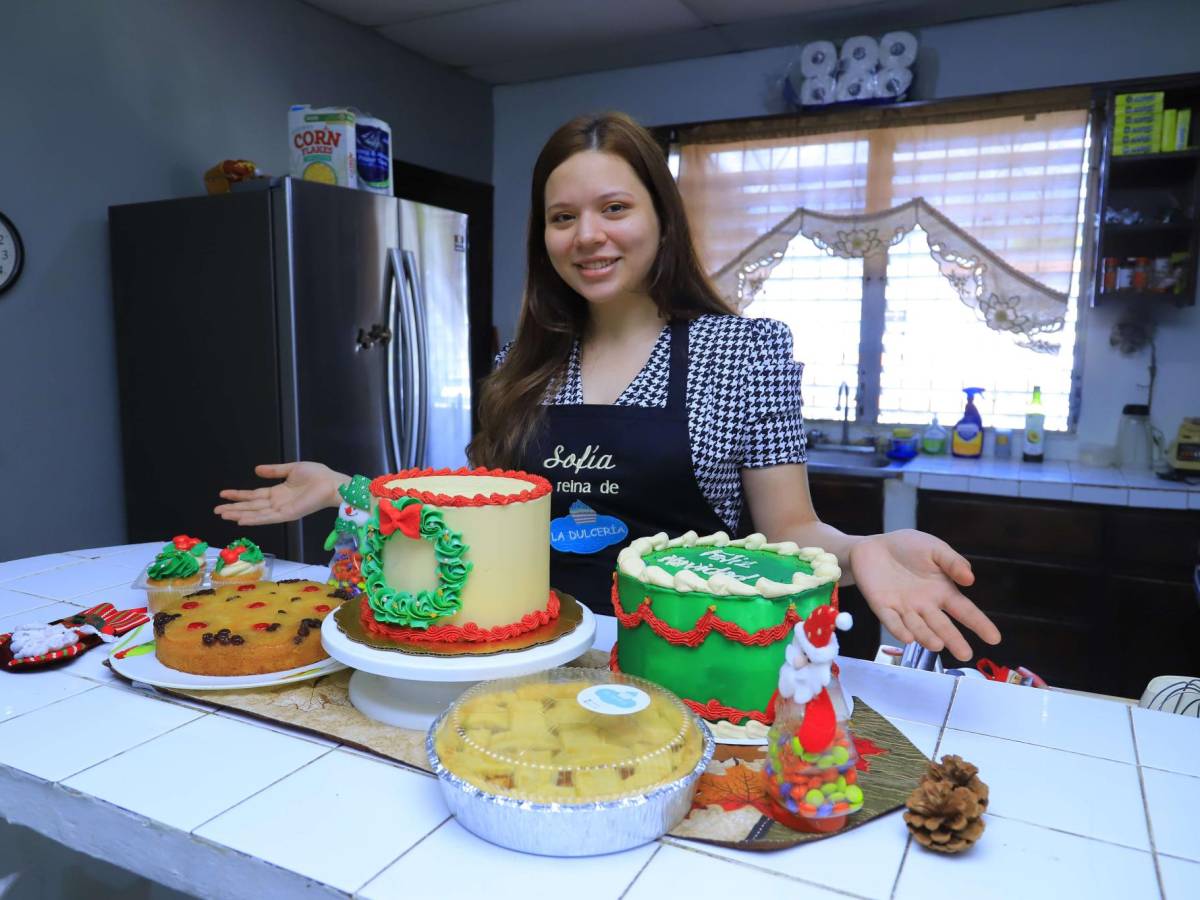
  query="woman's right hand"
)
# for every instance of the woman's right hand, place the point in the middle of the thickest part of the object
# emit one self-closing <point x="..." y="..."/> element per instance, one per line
<point x="307" y="487"/>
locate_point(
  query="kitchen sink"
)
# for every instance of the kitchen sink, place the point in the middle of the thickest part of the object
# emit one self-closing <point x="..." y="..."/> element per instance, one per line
<point x="845" y="457"/>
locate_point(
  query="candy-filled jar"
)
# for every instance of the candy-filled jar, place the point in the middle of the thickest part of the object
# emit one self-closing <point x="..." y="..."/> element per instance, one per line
<point x="346" y="539"/>
<point x="811" y="773"/>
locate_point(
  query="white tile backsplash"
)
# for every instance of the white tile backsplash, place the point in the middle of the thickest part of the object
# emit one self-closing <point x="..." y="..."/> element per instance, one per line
<point x="1158" y="499"/>
<point x="1108" y="496"/>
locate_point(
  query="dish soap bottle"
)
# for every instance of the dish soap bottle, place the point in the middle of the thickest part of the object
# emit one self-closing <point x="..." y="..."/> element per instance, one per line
<point x="933" y="441"/>
<point x="967" y="440"/>
<point x="1034" y="445"/>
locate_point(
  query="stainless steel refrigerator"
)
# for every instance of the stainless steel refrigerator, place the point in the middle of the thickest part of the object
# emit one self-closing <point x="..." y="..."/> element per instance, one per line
<point x="295" y="321"/>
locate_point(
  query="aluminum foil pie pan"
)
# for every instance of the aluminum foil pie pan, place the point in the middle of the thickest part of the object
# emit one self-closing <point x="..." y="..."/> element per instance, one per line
<point x="569" y="829"/>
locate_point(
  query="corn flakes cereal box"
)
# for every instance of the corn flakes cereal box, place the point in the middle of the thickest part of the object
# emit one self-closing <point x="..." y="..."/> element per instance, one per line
<point x="323" y="144"/>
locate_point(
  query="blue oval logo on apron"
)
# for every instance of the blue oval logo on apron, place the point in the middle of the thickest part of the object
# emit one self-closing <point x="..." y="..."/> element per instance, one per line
<point x="582" y="530"/>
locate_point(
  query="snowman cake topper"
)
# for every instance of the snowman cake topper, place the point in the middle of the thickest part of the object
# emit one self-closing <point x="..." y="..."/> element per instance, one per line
<point x="349" y="531"/>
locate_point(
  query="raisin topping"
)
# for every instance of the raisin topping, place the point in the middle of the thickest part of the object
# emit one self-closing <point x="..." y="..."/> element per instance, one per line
<point x="289" y="581"/>
<point x="237" y="640"/>
<point x="312" y="623"/>
<point x="343" y="594"/>
<point x="208" y="639"/>
<point x="200" y="593"/>
<point x="274" y="626"/>
<point x="162" y="620"/>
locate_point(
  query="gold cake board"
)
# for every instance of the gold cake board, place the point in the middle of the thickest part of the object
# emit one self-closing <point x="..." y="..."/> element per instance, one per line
<point x="570" y="615"/>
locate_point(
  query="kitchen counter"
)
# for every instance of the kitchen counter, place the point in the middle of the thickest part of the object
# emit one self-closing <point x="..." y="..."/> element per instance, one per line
<point x="1052" y="480"/>
<point x="1089" y="797"/>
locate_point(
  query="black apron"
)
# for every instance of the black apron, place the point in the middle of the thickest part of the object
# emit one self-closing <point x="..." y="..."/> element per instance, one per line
<point x="618" y="473"/>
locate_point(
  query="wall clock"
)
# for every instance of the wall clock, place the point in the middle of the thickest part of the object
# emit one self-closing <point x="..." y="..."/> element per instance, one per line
<point x="12" y="253"/>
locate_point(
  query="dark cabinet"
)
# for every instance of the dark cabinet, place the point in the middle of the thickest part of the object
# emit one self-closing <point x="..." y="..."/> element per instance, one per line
<point x="1147" y="207"/>
<point x="1094" y="598"/>
<point x="855" y="506"/>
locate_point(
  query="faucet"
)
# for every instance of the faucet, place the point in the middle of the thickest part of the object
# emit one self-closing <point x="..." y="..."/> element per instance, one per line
<point x="844" y="388"/>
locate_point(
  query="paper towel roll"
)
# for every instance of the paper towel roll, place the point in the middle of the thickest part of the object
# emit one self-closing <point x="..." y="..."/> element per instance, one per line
<point x="818" y="90"/>
<point x="856" y="86"/>
<point x="898" y="49"/>
<point x="861" y="52"/>
<point x="818" y="58"/>
<point x="892" y="82"/>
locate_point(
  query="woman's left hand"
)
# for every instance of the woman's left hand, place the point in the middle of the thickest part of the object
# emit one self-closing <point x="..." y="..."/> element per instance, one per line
<point x="910" y="580"/>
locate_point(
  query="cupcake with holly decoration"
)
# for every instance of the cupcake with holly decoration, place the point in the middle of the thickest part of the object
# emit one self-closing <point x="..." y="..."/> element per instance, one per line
<point x="241" y="561"/>
<point x="178" y="568"/>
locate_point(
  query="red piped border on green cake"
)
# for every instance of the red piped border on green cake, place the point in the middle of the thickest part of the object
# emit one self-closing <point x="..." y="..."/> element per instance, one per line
<point x="458" y="634"/>
<point x="713" y="710"/>
<point x="539" y="487"/>
<point x="705" y="625"/>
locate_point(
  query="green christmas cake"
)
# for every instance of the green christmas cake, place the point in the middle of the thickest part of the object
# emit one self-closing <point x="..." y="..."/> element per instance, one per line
<point x="709" y="618"/>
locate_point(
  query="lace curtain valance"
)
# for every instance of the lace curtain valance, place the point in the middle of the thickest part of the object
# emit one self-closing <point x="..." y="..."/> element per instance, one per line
<point x="1005" y="298"/>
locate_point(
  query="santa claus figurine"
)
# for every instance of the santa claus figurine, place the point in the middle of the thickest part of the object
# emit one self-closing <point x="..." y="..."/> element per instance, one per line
<point x="811" y="755"/>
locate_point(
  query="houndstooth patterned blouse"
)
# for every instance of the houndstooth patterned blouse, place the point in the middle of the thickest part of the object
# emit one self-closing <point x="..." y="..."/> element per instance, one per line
<point x="743" y="399"/>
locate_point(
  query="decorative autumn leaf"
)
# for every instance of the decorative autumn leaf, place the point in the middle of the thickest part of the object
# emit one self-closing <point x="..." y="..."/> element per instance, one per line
<point x="739" y="786"/>
<point x="866" y="747"/>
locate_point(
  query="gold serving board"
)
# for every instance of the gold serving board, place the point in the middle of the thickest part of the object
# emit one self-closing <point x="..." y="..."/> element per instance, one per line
<point x="570" y="615"/>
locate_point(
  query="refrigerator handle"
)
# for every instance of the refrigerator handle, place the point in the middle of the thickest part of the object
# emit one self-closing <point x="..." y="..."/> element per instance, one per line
<point x="395" y="396"/>
<point x="408" y="366"/>
<point x="421" y="363"/>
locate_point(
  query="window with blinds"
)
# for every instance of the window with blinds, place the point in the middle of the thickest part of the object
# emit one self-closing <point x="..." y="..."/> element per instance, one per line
<point x="893" y="330"/>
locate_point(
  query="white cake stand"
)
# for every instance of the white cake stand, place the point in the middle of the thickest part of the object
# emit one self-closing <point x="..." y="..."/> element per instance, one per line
<point x="410" y="691"/>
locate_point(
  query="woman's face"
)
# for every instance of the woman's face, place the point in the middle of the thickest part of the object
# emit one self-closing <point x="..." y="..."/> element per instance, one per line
<point x="602" y="231"/>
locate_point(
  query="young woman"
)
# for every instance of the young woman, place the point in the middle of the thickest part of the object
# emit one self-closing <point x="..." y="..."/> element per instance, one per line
<point x="648" y="403"/>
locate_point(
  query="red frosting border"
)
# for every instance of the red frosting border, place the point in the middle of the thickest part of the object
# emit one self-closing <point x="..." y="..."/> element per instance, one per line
<point x="458" y="634"/>
<point x="540" y="487"/>
<point x="705" y="625"/>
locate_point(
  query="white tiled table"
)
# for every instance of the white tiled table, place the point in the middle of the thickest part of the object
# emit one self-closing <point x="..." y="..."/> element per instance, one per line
<point x="1089" y="798"/>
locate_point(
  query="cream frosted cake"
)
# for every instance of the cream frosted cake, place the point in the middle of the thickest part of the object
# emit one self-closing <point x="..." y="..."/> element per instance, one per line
<point x="709" y="618"/>
<point x="457" y="555"/>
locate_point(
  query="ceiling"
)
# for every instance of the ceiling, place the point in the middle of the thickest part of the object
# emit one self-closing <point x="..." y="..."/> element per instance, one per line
<point x="509" y="41"/>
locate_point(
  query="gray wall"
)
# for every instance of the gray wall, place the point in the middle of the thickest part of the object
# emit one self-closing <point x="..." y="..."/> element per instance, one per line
<point x="127" y="100"/>
<point x="1070" y="45"/>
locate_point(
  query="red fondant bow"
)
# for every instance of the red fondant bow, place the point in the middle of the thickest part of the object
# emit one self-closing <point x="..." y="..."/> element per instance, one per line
<point x="184" y="543"/>
<point x="407" y="521"/>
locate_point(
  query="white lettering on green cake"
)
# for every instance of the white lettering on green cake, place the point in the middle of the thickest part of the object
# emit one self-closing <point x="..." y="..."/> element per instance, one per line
<point x="682" y="562"/>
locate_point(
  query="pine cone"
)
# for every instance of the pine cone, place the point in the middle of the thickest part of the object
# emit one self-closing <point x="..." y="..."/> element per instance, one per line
<point x="945" y="811"/>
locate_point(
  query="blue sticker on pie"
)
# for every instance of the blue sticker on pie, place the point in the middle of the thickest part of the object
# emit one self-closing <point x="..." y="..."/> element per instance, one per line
<point x="581" y="530"/>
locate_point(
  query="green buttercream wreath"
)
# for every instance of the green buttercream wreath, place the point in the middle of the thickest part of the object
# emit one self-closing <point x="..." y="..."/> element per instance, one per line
<point x="412" y="519"/>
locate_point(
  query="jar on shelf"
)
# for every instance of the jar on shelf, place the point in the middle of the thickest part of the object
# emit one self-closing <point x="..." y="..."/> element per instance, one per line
<point x="812" y="777"/>
<point x="1125" y="275"/>
<point x="1141" y="273"/>
<point x="1109" y="281"/>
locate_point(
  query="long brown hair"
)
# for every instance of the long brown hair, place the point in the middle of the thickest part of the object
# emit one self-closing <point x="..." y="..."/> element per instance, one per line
<point x="553" y="315"/>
